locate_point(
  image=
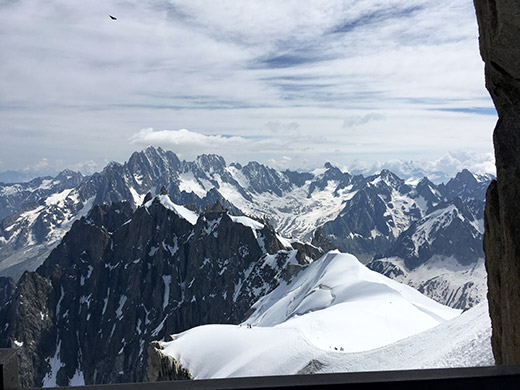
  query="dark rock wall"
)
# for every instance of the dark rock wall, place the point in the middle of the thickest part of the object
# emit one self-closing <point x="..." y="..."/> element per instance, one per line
<point x="499" y="29"/>
<point x="121" y="279"/>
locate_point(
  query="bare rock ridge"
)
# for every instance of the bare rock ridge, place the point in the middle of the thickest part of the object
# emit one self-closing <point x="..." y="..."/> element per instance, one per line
<point x="122" y="278"/>
<point x="162" y="367"/>
<point x="499" y="30"/>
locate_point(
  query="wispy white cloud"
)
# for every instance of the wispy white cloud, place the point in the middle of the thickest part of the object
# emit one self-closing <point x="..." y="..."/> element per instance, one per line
<point x="89" y="167"/>
<point x="359" y="120"/>
<point x="277" y="126"/>
<point x="439" y="170"/>
<point x="189" y="144"/>
<point x="40" y="165"/>
<point x="185" y="139"/>
<point x="282" y="163"/>
<point x="306" y="75"/>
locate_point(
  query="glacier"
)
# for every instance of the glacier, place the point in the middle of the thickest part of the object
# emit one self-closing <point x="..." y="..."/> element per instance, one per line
<point x="337" y="316"/>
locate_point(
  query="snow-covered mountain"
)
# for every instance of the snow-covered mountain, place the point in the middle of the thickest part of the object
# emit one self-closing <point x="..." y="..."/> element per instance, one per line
<point x="122" y="278"/>
<point x="335" y="316"/>
<point x="133" y="258"/>
<point x="441" y="254"/>
<point x="441" y="278"/>
<point x="13" y="196"/>
<point x="363" y="216"/>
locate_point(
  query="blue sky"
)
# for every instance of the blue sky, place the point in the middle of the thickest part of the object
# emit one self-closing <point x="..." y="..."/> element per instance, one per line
<point x="288" y="83"/>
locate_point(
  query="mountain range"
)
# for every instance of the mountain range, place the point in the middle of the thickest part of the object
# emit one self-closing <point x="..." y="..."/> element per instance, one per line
<point x="334" y="316"/>
<point x="157" y="245"/>
<point x="398" y="226"/>
<point x="121" y="278"/>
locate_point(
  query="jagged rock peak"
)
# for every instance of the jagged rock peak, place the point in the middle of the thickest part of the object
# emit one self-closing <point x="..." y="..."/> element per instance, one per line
<point x="150" y="150"/>
<point x="164" y="191"/>
<point x="332" y="171"/>
<point x="388" y="175"/>
<point x="216" y="208"/>
<point x="328" y="165"/>
<point x="211" y="162"/>
<point x="425" y="181"/>
<point x="499" y="30"/>
<point x="68" y="173"/>
<point x="112" y="165"/>
<point x="147" y="197"/>
<point x="465" y="176"/>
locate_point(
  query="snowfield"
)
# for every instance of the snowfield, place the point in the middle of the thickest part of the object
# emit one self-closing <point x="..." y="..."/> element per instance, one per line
<point x="337" y="316"/>
<point x="441" y="278"/>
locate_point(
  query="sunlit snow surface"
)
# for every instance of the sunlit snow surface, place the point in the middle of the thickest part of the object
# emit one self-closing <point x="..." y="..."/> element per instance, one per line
<point x="181" y="211"/>
<point x="344" y="317"/>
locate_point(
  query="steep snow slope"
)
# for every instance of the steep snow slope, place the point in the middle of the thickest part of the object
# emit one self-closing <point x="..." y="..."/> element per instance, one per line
<point x="30" y="235"/>
<point x="337" y="301"/>
<point x="335" y="316"/>
<point x="218" y="351"/>
<point x="441" y="278"/>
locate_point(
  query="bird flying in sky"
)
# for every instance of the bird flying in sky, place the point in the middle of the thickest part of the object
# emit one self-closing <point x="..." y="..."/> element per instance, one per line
<point x="112" y="17"/>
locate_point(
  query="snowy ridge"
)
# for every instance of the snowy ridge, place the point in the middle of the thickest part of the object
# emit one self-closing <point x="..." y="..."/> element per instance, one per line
<point x="338" y="286"/>
<point x="54" y="217"/>
<point x="422" y="333"/>
<point x="360" y="215"/>
<point x="246" y="221"/>
<point x="181" y="211"/>
<point x="437" y="220"/>
<point x="441" y="278"/>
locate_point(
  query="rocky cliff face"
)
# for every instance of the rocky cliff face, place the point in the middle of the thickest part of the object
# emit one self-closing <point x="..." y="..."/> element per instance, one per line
<point x="387" y="217"/>
<point x="162" y="367"/>
<point x="359" y="215"/>
<point x="499" y="29"/>
<point x="122" y="278"/>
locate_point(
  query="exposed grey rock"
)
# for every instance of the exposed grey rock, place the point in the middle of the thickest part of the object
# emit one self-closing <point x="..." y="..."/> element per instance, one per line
<point x="313" y="367"/>
<point x="367" y="212"/>
<point x="7" y="287"/>
<point x="265" y="179"/>
<point x="499" y="29"/>
<point x="30" y="315"/>
<point x="367" y="226"/>
<point x="429" y="192"/>
<point x="163" y="367"/>
<point x="449" y="230"/>
<point x="15" y="195"/>
<point x="332" y="173"/>
<point x="466" y="186"/>
<point x="121" y="279"/>
<point x="375" y="223"/>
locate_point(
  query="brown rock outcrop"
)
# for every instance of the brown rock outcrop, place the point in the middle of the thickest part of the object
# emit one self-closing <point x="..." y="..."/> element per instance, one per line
<point x="162" y="367"/>
<point x="499" y="29"/>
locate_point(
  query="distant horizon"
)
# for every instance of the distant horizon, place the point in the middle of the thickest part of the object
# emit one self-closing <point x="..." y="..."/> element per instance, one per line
<point x="437" y="171"/>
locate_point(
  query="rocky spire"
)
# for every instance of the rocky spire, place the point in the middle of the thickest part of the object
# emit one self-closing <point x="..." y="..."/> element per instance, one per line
<point x="148" y="197"/>
<point x="499" y="29"/>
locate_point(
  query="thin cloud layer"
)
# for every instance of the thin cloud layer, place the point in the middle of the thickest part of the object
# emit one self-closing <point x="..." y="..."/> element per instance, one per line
<point x="439" y="170"/>
<point x="189" y="144"/>
<point x="356" y="121"/>
<point x="406" y="73"/>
